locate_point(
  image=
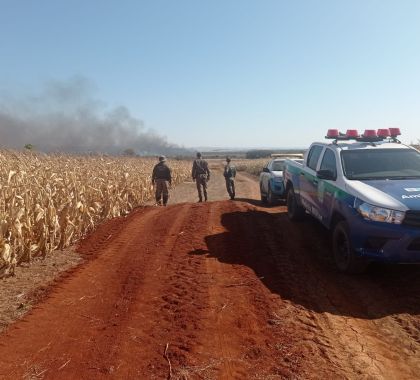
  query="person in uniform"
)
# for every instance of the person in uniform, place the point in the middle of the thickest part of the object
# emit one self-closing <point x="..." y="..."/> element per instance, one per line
<point x="201" y="174"/>
<point x="229" y="173"/>
<point x="162" y="180"/>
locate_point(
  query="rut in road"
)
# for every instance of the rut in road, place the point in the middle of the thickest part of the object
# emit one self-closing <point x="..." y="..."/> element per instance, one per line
<point x="230" y="289"/>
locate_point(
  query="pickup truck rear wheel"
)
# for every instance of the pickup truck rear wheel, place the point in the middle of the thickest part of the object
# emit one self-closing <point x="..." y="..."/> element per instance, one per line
<point x="295" y="212"/>
<point x="345" y="256"/>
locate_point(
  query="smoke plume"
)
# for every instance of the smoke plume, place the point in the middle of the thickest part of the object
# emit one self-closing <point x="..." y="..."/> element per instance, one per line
<point x="66" y="118"/>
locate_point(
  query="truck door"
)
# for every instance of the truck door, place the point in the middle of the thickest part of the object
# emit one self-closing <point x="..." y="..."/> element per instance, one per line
<point x="324" y="197"/>
<point x="309" y="180"/>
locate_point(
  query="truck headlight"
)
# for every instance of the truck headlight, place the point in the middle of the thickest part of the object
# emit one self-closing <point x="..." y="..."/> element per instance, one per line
<point x="380" y="214"/>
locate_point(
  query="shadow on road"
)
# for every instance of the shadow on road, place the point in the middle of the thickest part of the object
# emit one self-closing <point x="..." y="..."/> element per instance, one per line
<point x="259" y="203"/>
<point x="294" y="261"/>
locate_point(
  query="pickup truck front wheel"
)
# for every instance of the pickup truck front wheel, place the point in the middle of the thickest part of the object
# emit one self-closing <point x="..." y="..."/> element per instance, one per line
<point x="345" y="256"/>
<point x="294" y="210"/>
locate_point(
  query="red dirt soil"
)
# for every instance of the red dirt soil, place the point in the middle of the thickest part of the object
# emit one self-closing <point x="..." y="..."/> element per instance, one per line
<point x="217" y="290"/>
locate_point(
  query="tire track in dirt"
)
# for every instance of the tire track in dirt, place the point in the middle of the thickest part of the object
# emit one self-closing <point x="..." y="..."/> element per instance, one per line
<point x="223" y="348"/>
<point x="129" y="356"/>
<point x="185" y="295"/>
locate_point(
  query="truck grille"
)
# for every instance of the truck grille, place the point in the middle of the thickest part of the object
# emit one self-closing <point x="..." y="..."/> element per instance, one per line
<point x="412" y="218"/>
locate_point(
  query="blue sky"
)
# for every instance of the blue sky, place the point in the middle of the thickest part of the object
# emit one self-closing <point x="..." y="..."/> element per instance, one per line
<point x="226" y="73"/>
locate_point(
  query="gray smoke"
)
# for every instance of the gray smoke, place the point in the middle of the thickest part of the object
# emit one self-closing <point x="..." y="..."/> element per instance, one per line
<point x="66" y="118"/>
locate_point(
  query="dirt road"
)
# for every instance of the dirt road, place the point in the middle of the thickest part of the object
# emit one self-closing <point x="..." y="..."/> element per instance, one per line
<point x="217" y="290"/>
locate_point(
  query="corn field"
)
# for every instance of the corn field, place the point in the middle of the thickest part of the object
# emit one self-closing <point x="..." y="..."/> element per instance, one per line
<point x="252" y="166"/>
<point x="48" y="202"/>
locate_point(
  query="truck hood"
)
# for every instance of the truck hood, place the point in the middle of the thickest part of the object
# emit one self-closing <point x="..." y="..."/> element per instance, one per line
<point x="395" y="194"/>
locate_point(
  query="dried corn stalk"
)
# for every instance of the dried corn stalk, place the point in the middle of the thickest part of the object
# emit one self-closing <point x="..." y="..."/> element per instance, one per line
<point x="252" y="166"/>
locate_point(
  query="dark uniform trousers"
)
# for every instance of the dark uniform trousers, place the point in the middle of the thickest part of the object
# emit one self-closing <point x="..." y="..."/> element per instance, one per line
<point x="162" y="191"/>
<point x="230" y="186"/>
<point x="201" y="182"/>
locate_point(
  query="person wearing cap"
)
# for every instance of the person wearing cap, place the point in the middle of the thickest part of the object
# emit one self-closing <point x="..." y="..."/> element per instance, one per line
<point x="162" y="180"/>
<point x="201" y="174"/>
<point x="229" y="173"/>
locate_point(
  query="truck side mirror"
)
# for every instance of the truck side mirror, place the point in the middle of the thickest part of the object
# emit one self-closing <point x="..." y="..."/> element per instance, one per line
<point x="266" y="170"/>
<point x="326" y="174"/>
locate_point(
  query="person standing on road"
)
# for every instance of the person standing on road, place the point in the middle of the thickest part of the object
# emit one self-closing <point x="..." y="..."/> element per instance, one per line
<point x="162" y="181"/>
<point x="229" y="173"/>
<point x="201" y="174"/>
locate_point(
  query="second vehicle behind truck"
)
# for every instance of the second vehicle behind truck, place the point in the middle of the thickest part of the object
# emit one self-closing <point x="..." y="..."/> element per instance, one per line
<point x="271" y="178"/>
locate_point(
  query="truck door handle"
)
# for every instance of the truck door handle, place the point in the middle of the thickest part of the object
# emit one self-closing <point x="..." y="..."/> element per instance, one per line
<point x="315" y="182"/>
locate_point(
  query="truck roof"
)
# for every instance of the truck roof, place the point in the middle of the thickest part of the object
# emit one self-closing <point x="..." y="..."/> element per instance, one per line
<point x="287" y="155"/>
<point x="354" y="145"/>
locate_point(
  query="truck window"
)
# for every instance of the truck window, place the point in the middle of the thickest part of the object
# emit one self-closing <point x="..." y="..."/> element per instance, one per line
<point x="313" y="156"/>
<point x="329" y="162"/>
<point x="364" y="164"/>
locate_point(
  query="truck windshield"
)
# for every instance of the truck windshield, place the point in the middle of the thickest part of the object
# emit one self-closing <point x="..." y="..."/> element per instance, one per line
<point x="278" y="165"/>
<point x="381" y="164"/>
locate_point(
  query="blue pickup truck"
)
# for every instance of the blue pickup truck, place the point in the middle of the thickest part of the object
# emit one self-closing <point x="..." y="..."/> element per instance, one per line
<point x="366" y="190"/>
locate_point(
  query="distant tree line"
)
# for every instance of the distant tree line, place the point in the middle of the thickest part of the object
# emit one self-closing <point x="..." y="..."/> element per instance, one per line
<point x="264" y="153"/>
